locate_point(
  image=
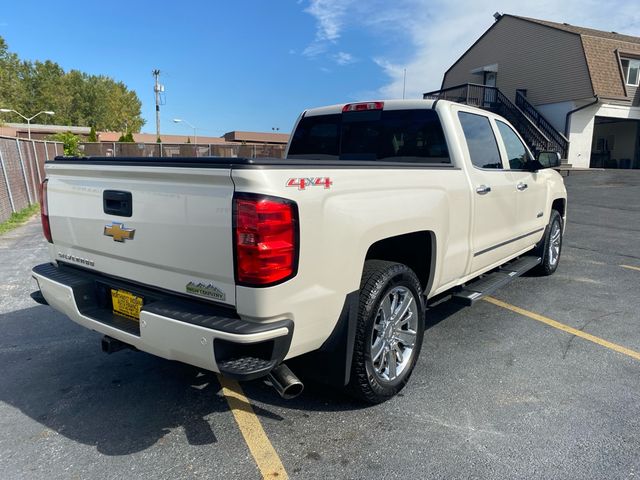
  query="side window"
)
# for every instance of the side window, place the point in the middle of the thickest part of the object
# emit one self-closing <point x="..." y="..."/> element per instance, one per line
<point x="516" y="151"/>
<point x="481" y="141"/>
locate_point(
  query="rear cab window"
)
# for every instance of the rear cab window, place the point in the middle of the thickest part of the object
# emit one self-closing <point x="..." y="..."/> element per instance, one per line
<point x="402" y="136"/>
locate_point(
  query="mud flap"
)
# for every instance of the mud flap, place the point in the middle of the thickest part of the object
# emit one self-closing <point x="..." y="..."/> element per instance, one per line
<point x="331" y="363"/>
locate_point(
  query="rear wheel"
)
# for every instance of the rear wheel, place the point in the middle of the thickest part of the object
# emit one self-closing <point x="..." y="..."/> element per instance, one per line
<point x="389" y="330"/>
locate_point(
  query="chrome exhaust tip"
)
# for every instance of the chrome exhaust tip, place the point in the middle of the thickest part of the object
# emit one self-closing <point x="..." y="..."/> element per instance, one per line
<point x="285" y="382"/>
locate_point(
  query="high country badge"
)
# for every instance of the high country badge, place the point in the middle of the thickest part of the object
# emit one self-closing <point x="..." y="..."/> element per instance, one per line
<point x="203" y="290"/>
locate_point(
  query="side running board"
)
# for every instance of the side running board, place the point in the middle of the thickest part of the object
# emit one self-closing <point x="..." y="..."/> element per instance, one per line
<point x="490" y="282"/>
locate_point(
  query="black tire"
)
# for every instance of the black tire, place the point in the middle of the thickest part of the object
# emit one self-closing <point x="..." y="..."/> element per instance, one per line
<point x="382" y="280"/>
<point x="550" y="262"/>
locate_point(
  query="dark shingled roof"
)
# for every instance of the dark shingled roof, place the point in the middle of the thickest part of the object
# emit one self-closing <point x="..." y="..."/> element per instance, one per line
<point x="583" y="30"/>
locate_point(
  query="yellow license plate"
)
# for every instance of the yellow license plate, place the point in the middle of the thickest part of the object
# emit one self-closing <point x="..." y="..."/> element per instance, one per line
<point x="126" y="303"/>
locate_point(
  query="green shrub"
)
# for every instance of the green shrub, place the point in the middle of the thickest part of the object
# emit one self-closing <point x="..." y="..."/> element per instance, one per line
<point x="71" y="143"/>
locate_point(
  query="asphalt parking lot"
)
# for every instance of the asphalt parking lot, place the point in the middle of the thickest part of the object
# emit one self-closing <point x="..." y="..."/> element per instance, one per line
<point x="496" y="393"/>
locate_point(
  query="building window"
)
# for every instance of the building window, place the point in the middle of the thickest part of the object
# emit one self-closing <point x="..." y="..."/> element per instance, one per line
<point x="631" y="71"/>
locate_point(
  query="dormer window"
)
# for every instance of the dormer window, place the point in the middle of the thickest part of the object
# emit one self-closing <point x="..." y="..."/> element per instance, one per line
<point x="631" y="71"/>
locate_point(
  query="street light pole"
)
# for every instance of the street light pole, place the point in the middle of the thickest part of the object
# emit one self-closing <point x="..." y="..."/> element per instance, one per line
<point x="28" y="119"/>
<point x="195" y="134"/>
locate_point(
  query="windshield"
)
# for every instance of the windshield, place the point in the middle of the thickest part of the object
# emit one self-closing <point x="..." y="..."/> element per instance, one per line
<point x="389" y="135"/>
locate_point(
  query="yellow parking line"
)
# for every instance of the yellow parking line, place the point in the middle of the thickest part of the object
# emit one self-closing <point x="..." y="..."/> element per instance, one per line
<point x="565" y="328"/>
<point x="264" y="454"/>
<point x="630" y="267"/>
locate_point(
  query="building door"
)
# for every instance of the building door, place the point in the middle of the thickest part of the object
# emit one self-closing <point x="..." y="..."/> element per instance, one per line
<point x="490" y="80"/>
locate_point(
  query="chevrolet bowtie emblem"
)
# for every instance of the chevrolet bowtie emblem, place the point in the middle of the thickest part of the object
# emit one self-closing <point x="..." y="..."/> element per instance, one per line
<point x="119" y="232"/>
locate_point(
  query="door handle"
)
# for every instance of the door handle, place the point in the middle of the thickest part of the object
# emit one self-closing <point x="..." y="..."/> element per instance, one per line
<point x="483" y="190"/>
<point x="522" y="186"/>
<point x="115" y="202"/>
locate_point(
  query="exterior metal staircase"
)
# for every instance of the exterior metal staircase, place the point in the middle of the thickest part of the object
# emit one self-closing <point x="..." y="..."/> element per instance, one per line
<point x="536" y="130"/>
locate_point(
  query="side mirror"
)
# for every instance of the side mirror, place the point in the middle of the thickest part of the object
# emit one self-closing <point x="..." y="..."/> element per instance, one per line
<point x="548" y="159"/>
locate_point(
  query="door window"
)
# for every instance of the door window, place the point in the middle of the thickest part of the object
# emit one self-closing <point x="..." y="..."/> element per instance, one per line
<point x="481" y="142"/>
<point x="516" y="151"/>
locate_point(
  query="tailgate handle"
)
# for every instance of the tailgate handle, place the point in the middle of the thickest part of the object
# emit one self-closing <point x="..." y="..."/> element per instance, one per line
<point x="116" y="202"/>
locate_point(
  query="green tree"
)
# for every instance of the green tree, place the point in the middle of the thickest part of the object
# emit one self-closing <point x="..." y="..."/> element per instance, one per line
<point x="76" y="97"/>
<point x="44" y="87"/>
<point x="127" y="138"/>
<point x="12" y="91"/>
<point x="93" y="137"/>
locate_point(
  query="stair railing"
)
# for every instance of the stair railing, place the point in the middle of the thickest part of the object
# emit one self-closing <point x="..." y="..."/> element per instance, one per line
<point x="539" y="137"/>
<point x="543" y="124"/>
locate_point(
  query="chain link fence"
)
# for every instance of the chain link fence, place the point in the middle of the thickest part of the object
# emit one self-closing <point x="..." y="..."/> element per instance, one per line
<point x="21" y="171"/>
<point x="115" y="149"/>
<point x="22" y="162"/>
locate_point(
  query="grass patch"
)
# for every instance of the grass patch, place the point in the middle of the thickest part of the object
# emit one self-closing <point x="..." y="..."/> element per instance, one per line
<point x="19" y="218"/>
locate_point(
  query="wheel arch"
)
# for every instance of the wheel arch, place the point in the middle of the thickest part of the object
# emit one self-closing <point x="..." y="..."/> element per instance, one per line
<point x="416" y="250"/>
<point x="560" y="205"/>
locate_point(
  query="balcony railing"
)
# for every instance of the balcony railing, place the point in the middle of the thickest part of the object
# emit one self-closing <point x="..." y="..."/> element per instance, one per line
<point x="539" y="134"/>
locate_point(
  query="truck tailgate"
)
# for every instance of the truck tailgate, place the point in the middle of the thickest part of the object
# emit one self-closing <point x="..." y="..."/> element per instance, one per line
<point x="178" y="236"/>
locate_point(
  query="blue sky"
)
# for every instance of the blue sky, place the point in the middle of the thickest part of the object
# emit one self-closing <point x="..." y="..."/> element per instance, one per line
<point x="254" y="65"/>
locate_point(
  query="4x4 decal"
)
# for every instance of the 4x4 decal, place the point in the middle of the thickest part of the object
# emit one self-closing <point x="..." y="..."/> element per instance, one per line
<point x="303" y="183"/>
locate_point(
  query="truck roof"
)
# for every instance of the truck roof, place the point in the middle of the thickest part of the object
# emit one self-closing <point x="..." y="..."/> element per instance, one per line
<point x="411" y="104"/>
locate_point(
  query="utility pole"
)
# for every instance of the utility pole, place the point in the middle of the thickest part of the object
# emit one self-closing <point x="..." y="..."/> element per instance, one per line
<point x="157" y="88"/>
<point x="404" y="83"/>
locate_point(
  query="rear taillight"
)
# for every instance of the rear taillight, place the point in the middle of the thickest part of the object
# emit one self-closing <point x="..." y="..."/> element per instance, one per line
<point x="265" y="238"/>
<point x="44" y="211"/>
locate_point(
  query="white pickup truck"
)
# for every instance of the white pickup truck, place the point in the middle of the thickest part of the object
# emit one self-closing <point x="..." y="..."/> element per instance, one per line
<point x="327" y="257"/>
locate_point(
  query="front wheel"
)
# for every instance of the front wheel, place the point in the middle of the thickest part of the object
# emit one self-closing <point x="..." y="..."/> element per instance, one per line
<point x="389" y="330"/>
<point x="551" y="245"/>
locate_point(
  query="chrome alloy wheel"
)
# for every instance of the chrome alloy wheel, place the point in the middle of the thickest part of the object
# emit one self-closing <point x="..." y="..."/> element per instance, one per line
<point x="554" y="243"/>
<point x="394" y="333"/>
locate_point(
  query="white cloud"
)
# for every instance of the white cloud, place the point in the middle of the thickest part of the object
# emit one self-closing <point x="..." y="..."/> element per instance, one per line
<point x="443" y="32"/>
<point x="329" y="15"/>
<point x="343" y="58"/>
<point x="427" y="36"/>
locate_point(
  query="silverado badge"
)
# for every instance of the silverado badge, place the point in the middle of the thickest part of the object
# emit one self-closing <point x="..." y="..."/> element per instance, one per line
<point x="119" y="232"/>
<point x="205" y="290"/>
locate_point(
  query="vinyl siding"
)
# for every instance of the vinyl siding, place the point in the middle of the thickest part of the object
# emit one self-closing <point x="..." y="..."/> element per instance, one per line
<point x="549" y="63"/>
